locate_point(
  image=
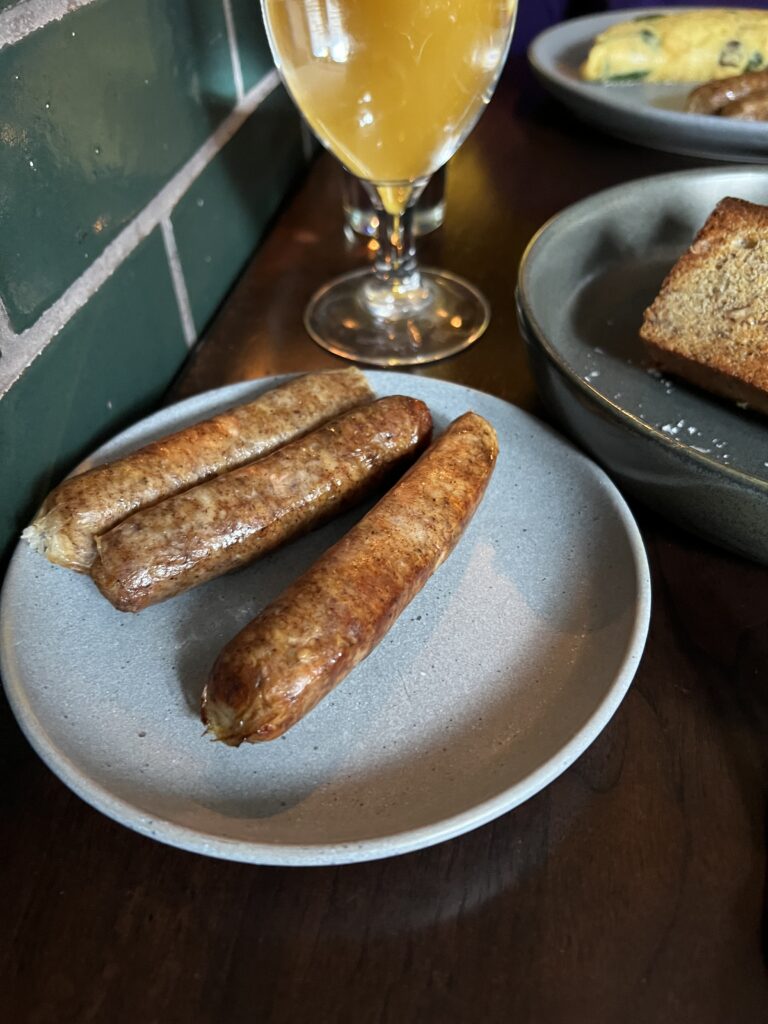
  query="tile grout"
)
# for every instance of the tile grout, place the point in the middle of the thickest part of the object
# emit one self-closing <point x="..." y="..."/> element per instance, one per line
<point x="234" y="50"/>
<point x="20" y="350"/>
<point x="179" y="284"/>
<point x="5" y="323"/>
<point x="7" y="333"/>
<point x="28" y="16"/>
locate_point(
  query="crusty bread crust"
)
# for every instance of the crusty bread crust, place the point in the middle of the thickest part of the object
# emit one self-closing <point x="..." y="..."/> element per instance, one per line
<point x="718" y="382"/>
<point x="709" y="322"/>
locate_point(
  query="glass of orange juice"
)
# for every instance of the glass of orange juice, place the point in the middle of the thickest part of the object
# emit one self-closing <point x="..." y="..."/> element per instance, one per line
<point x="392" y="88"/>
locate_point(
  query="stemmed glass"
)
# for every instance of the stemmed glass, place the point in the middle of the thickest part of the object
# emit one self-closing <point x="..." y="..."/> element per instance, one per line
<point x="392" y="88"/>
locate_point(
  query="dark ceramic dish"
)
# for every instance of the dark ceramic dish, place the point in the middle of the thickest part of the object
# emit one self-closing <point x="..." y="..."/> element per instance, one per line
<point x="584" y="282"/>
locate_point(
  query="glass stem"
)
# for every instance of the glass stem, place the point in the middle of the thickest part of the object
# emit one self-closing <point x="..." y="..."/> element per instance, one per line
<point x="396" y="289"/>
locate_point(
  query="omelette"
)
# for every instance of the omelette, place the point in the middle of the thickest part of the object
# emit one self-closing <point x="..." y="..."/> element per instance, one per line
<point x="685" y="46"/>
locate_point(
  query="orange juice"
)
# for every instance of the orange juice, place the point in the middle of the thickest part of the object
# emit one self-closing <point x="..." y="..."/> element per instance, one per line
<point x="391" y="87"/>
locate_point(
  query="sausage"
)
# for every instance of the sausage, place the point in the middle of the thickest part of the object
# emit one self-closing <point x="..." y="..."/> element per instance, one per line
<point x="711" y="97"/>
<point x="307" y="640"/>
<point x="239" y="516"/>
<point x="753" y="107"/>
<point x="86" y="505"/>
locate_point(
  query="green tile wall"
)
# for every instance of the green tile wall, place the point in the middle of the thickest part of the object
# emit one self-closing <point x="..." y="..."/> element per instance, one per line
<point x="227" y="209"/>
<point x="110" y="364"/>
<point x="255" y="58"/>
<point x="97" y="111"/>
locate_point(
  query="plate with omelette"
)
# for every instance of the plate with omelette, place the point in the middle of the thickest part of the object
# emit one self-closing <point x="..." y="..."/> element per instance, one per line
<point x="685" y="80"/>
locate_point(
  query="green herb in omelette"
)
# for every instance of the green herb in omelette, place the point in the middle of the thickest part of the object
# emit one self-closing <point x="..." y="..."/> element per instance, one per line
<point x="629" y="76"/>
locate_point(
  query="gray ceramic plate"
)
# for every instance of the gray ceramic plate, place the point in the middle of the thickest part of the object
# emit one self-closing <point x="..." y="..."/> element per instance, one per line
<point x="497" y="676"/>
<point x="585" y="280"/>
<point x="651" y="115"/>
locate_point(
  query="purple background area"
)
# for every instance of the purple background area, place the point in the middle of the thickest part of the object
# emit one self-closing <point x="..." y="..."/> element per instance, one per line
<point x="536" y="15"/>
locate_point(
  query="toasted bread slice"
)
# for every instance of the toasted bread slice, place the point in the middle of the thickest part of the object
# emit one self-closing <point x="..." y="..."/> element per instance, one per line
<point x="709" y="322"/>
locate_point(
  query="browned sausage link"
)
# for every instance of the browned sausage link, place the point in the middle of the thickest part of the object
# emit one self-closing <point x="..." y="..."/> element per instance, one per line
<point x="87" y="505"/>
<point x="750" y="108"/>
<point x="239" y="516"/>
<point x="711" y="97"/>
<point x="304" y="643"/>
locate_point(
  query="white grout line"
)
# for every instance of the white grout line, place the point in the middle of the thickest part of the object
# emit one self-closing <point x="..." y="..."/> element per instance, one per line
<point x="7" y="334"/>
<point x="22" y="349"/>
<point x="179" y="284"/>
<point x="234" y="52"/>
<point x="5" y="323"/>
<point x="29" y="15"/>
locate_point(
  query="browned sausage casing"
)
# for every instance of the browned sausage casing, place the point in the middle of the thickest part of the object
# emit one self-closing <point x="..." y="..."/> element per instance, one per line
<point x="239" y="516"/>
<point x="304" y="643"/>
<point x="711" y="97"/>
<point x="87" y="505"/>
<point x="753" y="107"/>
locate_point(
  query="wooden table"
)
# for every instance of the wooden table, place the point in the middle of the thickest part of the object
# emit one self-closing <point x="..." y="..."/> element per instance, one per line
<point x="632" y="889"/>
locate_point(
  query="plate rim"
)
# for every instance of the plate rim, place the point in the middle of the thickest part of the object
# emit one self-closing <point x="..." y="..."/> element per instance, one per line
<point x="310" y="854"/>
<point x="529" y="319"/>
<point x="733" y="132"/>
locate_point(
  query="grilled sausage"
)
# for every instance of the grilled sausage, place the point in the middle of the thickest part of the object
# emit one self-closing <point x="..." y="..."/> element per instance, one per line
<point x="239" y="516"/>
<point x="307" y="640"/>
<point x="753" y="107"/>
<point x="87" y="505"/>
<point x="711" y="97"/>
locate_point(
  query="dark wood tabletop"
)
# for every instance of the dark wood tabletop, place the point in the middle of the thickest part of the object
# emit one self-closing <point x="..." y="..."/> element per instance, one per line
<point x="632" y="889"/>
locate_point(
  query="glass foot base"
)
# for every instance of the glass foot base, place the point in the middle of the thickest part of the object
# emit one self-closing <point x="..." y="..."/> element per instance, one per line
<point x="339" y="319"/>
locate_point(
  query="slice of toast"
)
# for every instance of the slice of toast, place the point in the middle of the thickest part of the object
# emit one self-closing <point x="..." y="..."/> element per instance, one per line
<point x="709" y="322"/>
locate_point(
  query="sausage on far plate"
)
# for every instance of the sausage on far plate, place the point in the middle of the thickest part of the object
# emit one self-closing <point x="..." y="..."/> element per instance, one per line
<point x="712" y="97"/>
<point x="753" y="107"/>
